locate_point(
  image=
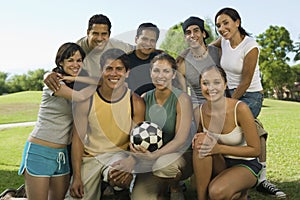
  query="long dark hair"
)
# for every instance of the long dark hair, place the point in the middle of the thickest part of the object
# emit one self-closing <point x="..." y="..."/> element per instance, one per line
<point x="234" y="15"/>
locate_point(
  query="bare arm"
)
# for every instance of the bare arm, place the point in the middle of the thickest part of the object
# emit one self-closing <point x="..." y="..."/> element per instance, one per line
<point x="82" y="79"/>
<point x="249" y="65"/>
<point x="217" y="42"/>
<point x="181" y="74"/>
<point x="51" y="79"/>
<point x="138" y="108"/>
<point x="79" y="132"/>
<point x="76" y="96"/>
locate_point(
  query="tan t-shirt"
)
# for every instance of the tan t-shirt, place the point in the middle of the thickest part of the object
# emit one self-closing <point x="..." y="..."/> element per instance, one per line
<point x="92" y="60"/>
<point x="109" y="125"/>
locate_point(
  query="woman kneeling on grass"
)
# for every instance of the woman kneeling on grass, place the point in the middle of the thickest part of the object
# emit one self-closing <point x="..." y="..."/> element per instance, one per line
<point x="227" y="143"/>
<point x="45" y="163"/>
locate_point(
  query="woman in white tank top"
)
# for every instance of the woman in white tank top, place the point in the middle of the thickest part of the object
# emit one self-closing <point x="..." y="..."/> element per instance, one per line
<point x="226" y="145"/>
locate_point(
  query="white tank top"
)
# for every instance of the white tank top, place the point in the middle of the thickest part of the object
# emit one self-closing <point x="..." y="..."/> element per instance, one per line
<point x="234" y="138"/>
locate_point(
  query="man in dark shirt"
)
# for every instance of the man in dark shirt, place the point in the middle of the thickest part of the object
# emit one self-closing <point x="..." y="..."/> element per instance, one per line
<point x="139" y="79"/>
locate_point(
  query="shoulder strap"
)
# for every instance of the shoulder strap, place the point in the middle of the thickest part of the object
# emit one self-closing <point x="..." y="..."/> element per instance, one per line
<point x="131" y="104"/>
<point x="201" y="116"/>
<point x="235" y="107"/>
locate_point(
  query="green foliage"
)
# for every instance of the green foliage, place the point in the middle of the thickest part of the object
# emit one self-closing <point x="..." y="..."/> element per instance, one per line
<point x="296" y="72"/>
<point x="3" y="77"/>
<point x="35" y="79"/>
<point x="32" y="81"/>
<point x="174" y="43"/>
<point x="297" y="50"/>
<point x="275" y="45"/>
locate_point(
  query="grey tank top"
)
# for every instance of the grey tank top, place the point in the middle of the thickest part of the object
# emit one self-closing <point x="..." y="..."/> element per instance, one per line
<point x="193" y="68"/>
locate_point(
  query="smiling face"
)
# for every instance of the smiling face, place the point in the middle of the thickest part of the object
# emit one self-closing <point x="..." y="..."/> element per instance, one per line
<point x="98" y="36"/>
<point x="73" y="64"/>
<point x="114" y="73"/>
<point x="146" y="42"/>
<point x="212" y="85"/>
<point x="226" y="27"/>
<point x="162" y="74"/>
<point x="194" y="37"/>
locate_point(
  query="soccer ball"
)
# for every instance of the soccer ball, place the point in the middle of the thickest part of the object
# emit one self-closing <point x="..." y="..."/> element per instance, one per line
<point x="148" y="135"/>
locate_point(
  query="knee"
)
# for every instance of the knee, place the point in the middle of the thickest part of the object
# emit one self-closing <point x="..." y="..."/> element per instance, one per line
<point x="168" y="170"/>
<point x="217" y="192"/>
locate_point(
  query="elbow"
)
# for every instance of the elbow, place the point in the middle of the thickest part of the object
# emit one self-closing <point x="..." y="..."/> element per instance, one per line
<point x="256" y="151"/>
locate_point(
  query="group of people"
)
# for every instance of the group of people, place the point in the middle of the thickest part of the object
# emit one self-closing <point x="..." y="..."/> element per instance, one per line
<point x="102" y="88"/>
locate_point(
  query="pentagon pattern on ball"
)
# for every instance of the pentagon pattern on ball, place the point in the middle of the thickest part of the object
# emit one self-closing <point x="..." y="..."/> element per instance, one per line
<point x="148" y="135"/>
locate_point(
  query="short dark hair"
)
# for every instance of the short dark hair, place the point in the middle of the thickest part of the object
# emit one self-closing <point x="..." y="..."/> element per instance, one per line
<point x="115" y="54"/>
<point x="99" y="19"/>
<point x="147" y="26"/>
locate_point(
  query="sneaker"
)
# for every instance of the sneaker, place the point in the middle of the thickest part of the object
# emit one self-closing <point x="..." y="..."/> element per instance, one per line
<point x="269" y="188"/>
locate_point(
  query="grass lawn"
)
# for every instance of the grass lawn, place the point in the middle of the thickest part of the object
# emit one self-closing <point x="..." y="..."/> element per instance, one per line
<point x="19" y="107"/>
<point x="280" y="118"/>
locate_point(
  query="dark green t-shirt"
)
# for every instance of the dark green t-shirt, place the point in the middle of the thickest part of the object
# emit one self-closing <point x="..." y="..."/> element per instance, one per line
<point x="164" y="116"/>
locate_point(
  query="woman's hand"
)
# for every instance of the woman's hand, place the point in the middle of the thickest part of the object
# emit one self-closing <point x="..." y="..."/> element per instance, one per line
<point x="206" y="144"/>
<point x="142" y="153"/>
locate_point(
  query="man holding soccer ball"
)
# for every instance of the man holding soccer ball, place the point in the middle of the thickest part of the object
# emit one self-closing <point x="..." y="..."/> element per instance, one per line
<point x="101" y="133"/>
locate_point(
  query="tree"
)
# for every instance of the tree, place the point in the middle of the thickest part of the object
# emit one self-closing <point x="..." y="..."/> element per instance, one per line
<point x="297" y="50"/>
<point x="174" y="42"/>
<point x="17" y="83"/>
<point x="33" y="81"/>
<point x="275" y="45"/>
<point x="295" y="92"/>
<point x="3" y="87"/>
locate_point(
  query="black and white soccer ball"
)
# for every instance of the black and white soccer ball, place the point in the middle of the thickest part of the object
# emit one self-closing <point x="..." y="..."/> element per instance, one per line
<point x="148" y="135"/>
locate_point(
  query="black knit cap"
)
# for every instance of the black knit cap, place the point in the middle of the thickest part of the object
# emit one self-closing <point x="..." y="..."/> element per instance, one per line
<point x="194" y="21"/>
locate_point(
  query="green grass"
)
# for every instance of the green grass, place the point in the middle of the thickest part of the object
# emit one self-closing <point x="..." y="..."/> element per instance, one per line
<point x="11" y="147"/>
<point x="280" y="118"/>
<point x="20" y="106"/>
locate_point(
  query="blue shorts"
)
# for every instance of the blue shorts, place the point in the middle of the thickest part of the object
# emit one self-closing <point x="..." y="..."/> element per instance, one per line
<point x="43" y="161"/>
<point x="253" y="99"/>
<point x="253" y="165"/>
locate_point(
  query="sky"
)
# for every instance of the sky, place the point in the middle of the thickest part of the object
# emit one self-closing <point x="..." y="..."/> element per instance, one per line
<point x="31" y="31"/>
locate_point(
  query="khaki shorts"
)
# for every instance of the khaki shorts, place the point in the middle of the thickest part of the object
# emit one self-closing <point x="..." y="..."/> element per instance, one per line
<point x="149" y="184"/>
<point x="94" y="170"/>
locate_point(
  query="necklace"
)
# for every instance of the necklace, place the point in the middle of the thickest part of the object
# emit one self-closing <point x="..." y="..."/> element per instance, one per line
<point x="201" y="55"/>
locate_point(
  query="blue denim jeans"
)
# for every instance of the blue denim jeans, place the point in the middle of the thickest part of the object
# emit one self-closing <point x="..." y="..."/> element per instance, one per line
<point x="253" y="100"/>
